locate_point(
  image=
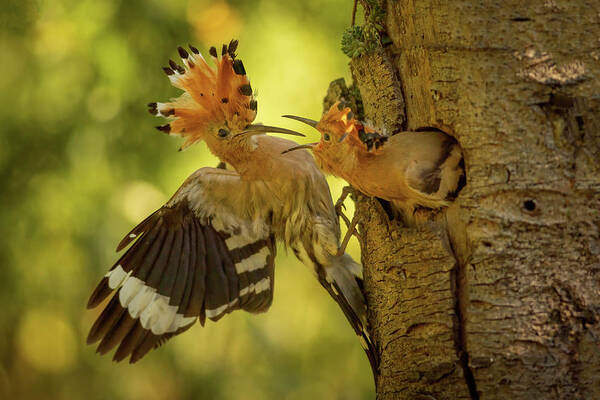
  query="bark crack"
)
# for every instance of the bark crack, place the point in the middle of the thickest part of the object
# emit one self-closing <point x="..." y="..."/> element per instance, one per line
<point x="459" y="283"/>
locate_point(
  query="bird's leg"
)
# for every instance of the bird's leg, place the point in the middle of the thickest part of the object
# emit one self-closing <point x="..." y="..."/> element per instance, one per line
<point x="351" y="225"/>
<point x="339" y="204"/>
<point x="351" y="231"/>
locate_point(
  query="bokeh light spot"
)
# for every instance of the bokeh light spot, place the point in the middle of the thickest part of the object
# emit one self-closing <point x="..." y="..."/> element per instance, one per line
<point x="149" y="382"/>
<point x="46" y="341"/>
<point x="214" y="22"/>
<point x="140" y="199"/>
<point x="103" y="103"/>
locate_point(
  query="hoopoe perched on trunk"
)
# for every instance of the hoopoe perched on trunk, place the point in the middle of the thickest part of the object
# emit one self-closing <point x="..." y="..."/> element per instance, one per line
<point x="409" y="169"/>
<point x="210" y="249"/>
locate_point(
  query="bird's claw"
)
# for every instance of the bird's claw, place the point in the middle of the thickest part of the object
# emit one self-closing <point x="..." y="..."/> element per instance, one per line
<point x="339" y="204"/>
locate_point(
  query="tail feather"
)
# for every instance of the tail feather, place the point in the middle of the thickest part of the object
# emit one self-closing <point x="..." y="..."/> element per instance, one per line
<point x="343" y="281"/>
<point x="344" y="275"/>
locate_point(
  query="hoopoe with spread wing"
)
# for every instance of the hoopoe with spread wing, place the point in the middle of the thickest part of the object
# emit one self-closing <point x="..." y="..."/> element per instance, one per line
<point x="409" y="169"/>
<point x="210" y="249"/>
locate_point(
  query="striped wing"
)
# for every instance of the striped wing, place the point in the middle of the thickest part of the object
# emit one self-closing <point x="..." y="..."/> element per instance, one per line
<point x="184" y="264"/>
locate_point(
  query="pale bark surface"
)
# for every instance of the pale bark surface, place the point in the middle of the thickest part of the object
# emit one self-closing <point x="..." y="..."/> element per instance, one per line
<point x="501" y="297"/>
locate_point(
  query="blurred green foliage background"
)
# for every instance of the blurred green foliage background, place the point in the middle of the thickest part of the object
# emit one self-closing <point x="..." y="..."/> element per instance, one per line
<point x="80" y="164"/>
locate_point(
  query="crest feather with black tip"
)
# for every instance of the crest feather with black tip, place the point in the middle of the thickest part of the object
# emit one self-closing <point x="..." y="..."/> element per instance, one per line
<point x="340" y="122"/>
<point x="219" y="95"/>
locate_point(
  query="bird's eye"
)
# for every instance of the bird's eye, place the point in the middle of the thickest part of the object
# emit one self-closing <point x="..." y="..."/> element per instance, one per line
<point x="223" y="133"/>
<point x="326" y="137"/>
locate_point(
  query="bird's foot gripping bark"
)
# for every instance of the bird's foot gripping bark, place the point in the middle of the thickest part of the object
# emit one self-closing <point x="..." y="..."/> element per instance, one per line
<point x="351" y="225"/>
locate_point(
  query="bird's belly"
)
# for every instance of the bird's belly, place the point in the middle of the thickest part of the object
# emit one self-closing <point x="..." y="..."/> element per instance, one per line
<point x="288" y="216"/>
<point x="377" y="185"/>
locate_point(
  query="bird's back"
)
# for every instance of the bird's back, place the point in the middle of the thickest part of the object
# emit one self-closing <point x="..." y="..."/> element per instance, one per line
<point x="415" y="165"/>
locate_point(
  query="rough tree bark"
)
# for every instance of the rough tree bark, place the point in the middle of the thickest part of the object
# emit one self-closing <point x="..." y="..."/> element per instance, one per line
<point x="500" y="297"/>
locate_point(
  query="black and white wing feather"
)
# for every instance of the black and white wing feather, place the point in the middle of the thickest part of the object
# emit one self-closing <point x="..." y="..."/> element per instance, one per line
<point x="186" y="261"/>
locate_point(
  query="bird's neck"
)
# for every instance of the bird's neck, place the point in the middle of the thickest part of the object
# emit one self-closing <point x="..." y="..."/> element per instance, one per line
<point x="356" y="160"/>
<point x="339" y="164"/>
<point x="349" y="164"/>
<point x="248" y="160"/>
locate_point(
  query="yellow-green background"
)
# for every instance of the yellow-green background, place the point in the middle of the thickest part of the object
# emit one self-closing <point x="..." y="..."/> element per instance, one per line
<point x="80" y="164"/>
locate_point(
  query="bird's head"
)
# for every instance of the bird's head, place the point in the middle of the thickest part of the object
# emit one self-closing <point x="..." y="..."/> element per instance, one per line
<point x="217" y="105"/>
<point x="342" y="137"/>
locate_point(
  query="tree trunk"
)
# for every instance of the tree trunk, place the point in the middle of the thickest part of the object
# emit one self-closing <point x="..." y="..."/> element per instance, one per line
<point x="500" y="298"/>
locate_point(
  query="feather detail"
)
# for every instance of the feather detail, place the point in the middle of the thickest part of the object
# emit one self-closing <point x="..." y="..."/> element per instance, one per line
<point x="184" y="262"/>
<point x="340" y="122"/>
<point x="219" y="95"/>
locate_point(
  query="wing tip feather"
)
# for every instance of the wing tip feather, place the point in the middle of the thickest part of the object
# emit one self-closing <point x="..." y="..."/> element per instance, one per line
<point x="101" y="292"/>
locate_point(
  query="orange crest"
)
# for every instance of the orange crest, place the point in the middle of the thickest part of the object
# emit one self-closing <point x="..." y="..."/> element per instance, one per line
<point x="339" y="122"/>
<point x="212" y="96"/>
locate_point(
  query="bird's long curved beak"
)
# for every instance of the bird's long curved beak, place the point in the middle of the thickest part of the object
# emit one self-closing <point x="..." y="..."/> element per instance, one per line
<point x="255" y="129"/>
<point x="307" y="121"/>
<point x="302" y="146"/>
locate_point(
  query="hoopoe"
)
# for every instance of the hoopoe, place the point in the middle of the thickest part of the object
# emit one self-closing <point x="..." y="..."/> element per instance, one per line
<point x="210" y="249"/>
<point x="409" y="169"/>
